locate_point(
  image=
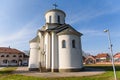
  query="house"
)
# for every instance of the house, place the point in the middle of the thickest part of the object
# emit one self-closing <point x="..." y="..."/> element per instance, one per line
<point x="103" y="57"/>
<point x="57" y="45"/>
<point x="90" y="60"/>
<point x="12" y="57"/>
<point x="117" y="57"/>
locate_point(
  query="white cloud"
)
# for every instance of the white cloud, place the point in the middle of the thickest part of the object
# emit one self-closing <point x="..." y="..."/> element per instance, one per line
<point x="90" y="32"/>
<point x="87" y="14"/>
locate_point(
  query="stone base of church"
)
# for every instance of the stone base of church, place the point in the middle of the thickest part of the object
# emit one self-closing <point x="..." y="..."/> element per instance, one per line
<point x="33" y="69"/>
<point x="48" y="70"/>
<point x="71" y="70"/>
<point x="55" y="70"/>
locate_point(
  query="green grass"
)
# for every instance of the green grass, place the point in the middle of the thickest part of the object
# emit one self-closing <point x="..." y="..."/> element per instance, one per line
<point x="109" y="75"/>
<point x="5" y="74"/>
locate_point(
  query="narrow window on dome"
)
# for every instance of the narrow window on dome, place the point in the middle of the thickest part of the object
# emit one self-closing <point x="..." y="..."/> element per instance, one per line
<point x="63" y="44"/>
<point x="73" y="43"/>
<point x="50" y="19"/>
<point x="58" y="19"/>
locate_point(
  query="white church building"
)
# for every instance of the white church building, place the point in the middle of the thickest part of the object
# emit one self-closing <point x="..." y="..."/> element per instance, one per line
<point x="57" y="45"/>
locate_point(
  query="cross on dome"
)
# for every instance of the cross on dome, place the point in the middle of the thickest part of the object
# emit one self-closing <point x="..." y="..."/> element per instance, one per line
<point x="55" y="5"/>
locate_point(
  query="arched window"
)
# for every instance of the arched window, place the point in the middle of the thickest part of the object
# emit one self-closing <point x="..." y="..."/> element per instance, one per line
<point x="5" y="61"/>
<point x="50" y="19"/>
<point x="63" y="44"/>
<point x="14" y="55"/>
<point x="2" y="55"/>
<point x="13" y="61"/>
<point x="58" y="19"/>
<point x="20" y="56"/>
<point x="73" y="43"/>
<point x="7" y="56"/>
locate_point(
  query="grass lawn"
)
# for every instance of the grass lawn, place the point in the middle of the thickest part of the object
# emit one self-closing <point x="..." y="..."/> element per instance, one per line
<point x="5" y="74"/>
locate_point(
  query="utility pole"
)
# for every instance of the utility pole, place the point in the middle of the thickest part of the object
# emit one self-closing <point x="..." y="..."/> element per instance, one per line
<point x="111" y="51"/>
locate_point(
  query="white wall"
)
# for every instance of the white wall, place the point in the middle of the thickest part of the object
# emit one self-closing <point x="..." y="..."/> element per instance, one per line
<point x="47" y="49"/>
<point x="54" y="51"/>
<point x="54" y="18"/>
<point x="70" y="57"/>
<point x="33" y="60"/>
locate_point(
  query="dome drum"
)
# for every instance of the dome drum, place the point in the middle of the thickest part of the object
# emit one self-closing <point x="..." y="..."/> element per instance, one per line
<point x="55" y="16"/>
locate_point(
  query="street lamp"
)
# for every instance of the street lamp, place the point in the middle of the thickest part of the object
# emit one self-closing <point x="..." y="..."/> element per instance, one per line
<point x="110" y="44"/>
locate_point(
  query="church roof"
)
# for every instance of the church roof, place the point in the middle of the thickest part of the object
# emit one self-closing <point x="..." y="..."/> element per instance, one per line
<point x="65" y="29"/>
<point x="34" y="39"/>
<point x="55" y="10"/>
<point x="59" y="28"/>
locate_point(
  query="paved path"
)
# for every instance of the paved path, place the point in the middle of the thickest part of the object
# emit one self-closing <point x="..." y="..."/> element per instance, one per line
<point x="86" y="72"/>
<point x="1" y="67"/>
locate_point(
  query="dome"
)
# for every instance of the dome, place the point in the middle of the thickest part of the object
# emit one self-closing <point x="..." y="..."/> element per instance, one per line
<point x="55" y="10"/>
<point x="55" y="16"/>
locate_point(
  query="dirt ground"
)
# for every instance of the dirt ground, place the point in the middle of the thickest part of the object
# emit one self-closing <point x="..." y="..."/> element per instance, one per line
<point x="86" y="72"/>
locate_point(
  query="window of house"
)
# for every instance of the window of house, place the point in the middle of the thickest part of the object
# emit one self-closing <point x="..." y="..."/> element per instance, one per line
<point x="20" y="56"/>
<point x="5" y="61"/>
<point x="13" y="61"/>
<point x="73" y="43"/>
<point x="50" y="19"/>
<point x="14" y="55"/>
<point x="58" y="19"/>
<point x="63" y="44"/>
<point x="2" y="55"/>
<point x="7" y="56"/>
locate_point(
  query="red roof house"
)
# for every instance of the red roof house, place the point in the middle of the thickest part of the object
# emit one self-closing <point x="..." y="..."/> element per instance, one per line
<point x="117" y="57"/>
<point x="12" y="57"/>
<point x="103" y="57"/>
<point x="90" y="60"/>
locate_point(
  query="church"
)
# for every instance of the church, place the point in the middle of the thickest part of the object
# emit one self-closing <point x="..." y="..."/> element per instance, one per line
<point x="57" y="45"/>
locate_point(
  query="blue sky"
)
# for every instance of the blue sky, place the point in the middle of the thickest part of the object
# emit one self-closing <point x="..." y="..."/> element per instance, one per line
<point x="20" y="20"/>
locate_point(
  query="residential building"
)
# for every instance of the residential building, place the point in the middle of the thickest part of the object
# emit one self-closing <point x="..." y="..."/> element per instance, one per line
<point x="90" y="60"/>
<point x="103" y="57"/>
<point x="117" y="57"/>
<point x="12" y="57"/>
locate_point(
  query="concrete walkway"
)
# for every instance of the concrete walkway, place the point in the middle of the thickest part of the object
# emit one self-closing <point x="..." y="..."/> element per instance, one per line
<point x="86" y="72"/>
<point x="1" y="67"/>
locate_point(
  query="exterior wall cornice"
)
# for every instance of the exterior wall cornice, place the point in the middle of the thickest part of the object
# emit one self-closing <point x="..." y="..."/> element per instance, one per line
<point x="69" y="32"/>
<point x="54" y="24"/>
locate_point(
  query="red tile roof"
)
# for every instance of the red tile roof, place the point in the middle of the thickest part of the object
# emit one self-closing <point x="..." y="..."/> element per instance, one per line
<point x="117" y="55"/>
<point x="10" y="50"/>
<point x="102" y="55"/>
<point x="92" y="57"/>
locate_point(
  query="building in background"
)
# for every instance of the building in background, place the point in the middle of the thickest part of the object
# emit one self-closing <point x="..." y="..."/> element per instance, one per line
<point x="12" y="57"/>
<point x="90" y="60"/>
<point x="117" y="57"/>
<point x="103" y="57"/>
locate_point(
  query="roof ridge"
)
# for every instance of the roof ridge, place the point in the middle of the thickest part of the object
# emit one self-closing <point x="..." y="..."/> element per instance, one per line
<point x="9" y="50"/>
